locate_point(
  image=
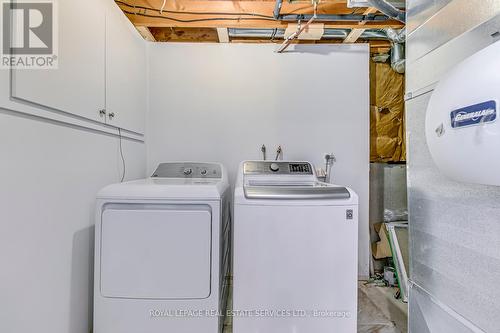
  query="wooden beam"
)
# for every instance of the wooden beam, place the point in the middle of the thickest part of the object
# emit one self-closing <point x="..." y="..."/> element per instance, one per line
<point x="189" y="35"/>
<point x="260" y="7"/>
<point x="223" y="35"/>
<point x="146" y="34"/>
<point x="370" y="10"/>
<point x="375" y="46"/>
<point x="354" y="35"/>
<point x="209" y="35"/>
<point x="250" y="23"/>
<point x="233" y="14"/>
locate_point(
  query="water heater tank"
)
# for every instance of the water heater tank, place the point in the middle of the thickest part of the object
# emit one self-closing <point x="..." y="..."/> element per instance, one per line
<point x="462" y="129"/>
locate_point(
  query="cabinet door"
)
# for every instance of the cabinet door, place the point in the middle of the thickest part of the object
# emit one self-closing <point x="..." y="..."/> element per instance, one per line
<point x="78" y="85"/>
<point x="126" y="73"/>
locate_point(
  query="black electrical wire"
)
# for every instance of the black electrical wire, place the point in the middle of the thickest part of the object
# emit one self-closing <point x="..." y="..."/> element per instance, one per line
<point x="275" y="31"/>
<point x="121" y="154"/>
<point x="193" y="13"/>
<point x="200" y="20"/>
<point x="254" y="16"/>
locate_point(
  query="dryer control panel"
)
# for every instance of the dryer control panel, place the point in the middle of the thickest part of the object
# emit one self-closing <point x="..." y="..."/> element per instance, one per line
<point x="188" y="170"/>
<point x="277" y="167"/>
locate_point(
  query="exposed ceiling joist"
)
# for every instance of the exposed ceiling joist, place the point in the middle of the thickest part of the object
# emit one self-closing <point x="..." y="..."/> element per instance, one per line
<point x="258" y="7"/>
<point x="251" y="23"/>
<point x="209" y="35"/>
<point x="234" y="14"/>
<point x="209" y="20"/>
<point x="146" y="34"/>
<point x="189" y="35"/>
<point x="375" y="46"/>
<point x="356" y="33"/>
<point x="368" y="11"/>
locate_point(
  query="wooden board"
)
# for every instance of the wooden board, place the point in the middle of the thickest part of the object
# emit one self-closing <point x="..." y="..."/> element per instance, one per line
<point x="223" y="35"/>
<point x="209" y="35"/>
<point x="185" y="35"/>
<point x="208" y="20"/>
<point x="262" y="7"/>
<point x="234" y="14"/>
<point x="354" y="35"/>
<point x="357" y="32"/>
<point x="146" y="34"/>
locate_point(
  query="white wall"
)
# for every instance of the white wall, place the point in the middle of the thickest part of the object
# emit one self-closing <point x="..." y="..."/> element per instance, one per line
<point x="49" y="176"/>
<point x="218" y="102"/>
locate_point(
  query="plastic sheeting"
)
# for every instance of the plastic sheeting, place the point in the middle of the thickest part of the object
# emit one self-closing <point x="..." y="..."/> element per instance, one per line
<point x="395" y="215"/>
<point x="387" y="114"/>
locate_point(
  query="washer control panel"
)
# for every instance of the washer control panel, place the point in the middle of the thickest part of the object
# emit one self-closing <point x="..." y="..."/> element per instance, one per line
<point x="280" y="168"/>
<point x="188" y="170"/>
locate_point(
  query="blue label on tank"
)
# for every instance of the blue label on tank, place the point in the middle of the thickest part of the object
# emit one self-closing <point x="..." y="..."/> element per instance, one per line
<point x="474" y="115"/>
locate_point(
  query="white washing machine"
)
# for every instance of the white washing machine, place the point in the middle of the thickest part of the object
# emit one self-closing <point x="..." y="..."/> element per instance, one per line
<point x="162" y="252"/>
<point x="295" y="251"/>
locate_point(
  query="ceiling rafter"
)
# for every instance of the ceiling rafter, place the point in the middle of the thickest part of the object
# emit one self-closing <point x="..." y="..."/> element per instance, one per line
<point x="234" y="14"/>
<point x="357" y="32"/>
<point x="208" y="20"/>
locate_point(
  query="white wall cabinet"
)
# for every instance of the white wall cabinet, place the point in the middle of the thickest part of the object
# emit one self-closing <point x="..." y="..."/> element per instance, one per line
<point x="78" y="85"/>
<point x="102" y="66"/>
<point x="126" y="73"/>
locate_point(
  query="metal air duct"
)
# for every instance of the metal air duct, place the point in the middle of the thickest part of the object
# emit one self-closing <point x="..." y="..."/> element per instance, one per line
<point x="388" y="9"/>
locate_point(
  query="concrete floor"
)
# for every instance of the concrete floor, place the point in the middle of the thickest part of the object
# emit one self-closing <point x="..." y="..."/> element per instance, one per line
<point x="378" y="311"/>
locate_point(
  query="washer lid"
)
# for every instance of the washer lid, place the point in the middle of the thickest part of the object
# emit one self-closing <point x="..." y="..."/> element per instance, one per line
<point x="282" y="183"/>
<point x="290" y="191"/>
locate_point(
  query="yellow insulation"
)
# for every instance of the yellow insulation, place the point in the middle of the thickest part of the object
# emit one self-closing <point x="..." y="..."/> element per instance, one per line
<point x="387" y="114"/>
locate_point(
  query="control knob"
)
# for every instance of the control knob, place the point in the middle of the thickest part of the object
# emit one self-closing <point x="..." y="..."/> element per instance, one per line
<point x="274" y="167"/>
<point x="188" y="171"/>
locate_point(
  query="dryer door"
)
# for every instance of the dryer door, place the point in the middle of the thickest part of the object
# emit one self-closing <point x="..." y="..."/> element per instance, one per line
<point x="156" y="251"/>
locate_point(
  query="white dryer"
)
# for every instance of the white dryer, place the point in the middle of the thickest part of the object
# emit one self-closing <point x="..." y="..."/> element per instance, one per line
<point x="295" y="251"/>
<point x="162" y="252"/>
